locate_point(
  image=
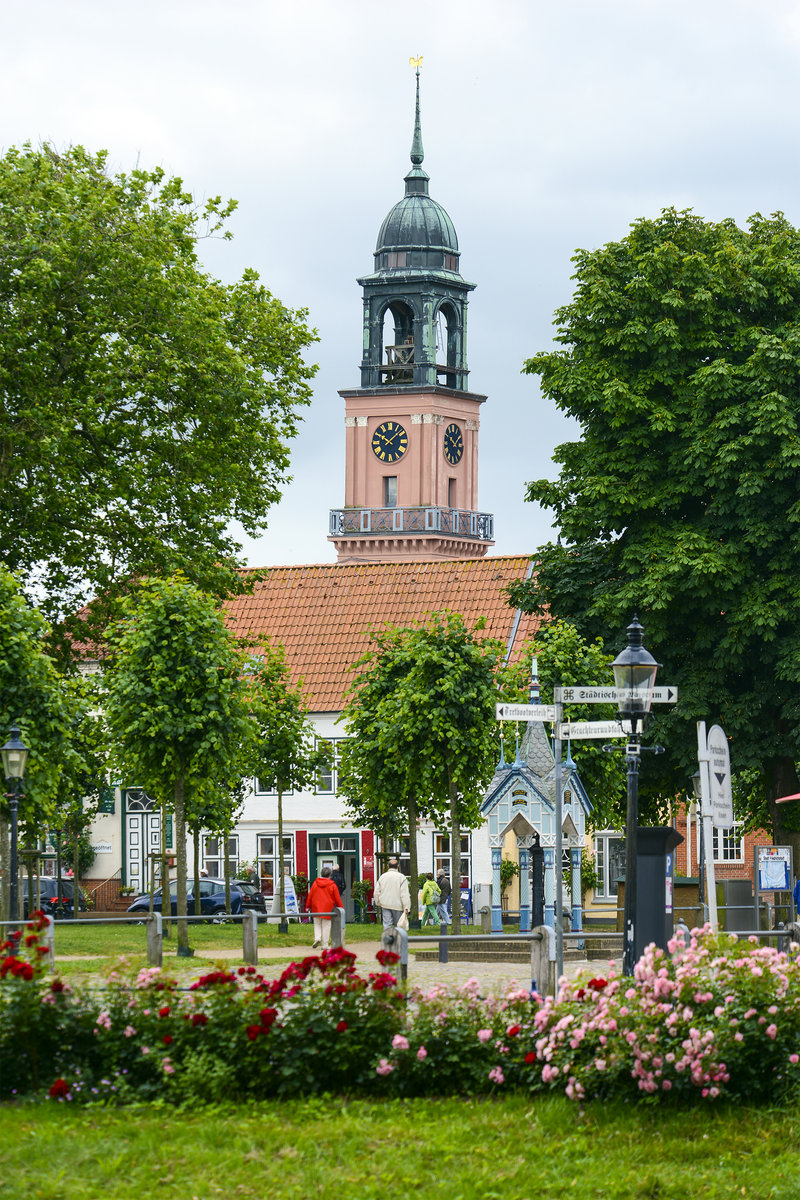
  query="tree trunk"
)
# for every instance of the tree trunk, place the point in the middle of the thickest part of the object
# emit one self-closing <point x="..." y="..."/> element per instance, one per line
<point x="412" y="852"/>
<point x="198" y="908"/>
<point x="781" y="780"/>
<point x="455" y="851"/>
<point x="179" y="833"/>
<point x="281" y="884"/>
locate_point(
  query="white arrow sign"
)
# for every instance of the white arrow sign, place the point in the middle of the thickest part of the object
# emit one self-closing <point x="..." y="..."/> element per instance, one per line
<point x="527" y="712"/>
<point x="719" y="771"/>
<point x="594" y="729"/>
<point x="611" y="695"/>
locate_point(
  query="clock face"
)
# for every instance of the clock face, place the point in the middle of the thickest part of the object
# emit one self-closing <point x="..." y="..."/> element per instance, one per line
<point x="389" y="442"/>
<point x="453" y="444"/>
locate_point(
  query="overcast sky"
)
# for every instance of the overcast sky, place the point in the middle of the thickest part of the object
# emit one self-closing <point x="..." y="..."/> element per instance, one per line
<point x="547" y="127"/>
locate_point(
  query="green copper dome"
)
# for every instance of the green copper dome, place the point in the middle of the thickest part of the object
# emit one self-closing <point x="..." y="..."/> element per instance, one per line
<point x="417" y="222"/>
<point x="417" y="233"/>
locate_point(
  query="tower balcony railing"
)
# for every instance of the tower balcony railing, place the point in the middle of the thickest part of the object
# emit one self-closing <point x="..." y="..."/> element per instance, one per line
<point x="355" y="522"/>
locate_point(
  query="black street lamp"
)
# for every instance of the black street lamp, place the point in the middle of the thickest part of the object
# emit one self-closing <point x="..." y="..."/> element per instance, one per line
<point x="634" y="677"/>
<point x="15" y="755"/>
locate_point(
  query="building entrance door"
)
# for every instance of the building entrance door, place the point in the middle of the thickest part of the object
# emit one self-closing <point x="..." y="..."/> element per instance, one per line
<point x="142" y="838"/>
<point x="339" y="852"/>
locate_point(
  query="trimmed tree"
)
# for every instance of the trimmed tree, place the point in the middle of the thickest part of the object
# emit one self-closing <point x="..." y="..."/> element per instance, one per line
<point x="177" y="705"/>
<point x="422" y="722"/>
<point x="283" y="747"/>
<point x="146" y="405"/>
<point x="680" y="359"/>
<point x="33" y="694"/>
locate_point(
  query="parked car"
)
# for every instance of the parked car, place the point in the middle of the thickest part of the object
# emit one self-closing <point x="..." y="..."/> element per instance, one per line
<point x="49" y="896"/>
<point x="252" y="896"/>
<point x="212" y="899"/>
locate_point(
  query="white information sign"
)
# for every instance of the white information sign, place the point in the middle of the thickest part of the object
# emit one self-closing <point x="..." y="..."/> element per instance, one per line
<point x="611" y="695"/>
<point x="719" y="770"/>
<point x="290" y="897"/>
<point x="526" y="712"/>
<point x="102" y="848"/>
<point x="595" y="729"/>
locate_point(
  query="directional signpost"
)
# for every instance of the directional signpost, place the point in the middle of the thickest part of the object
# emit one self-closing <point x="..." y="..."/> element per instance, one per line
<point x="633" y="703"/>
<point x="611" y="695"/>
<point x="595" y="729"/>
<point x="526" y="712"/>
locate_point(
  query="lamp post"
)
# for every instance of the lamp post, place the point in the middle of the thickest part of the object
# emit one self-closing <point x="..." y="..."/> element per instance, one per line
<point x="634" y="677"/>
<point x="15" y="755"/>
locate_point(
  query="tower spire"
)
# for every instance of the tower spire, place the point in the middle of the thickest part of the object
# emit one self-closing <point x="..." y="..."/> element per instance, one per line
<point x="417" y="178"/>
<point x="417" y="151"/>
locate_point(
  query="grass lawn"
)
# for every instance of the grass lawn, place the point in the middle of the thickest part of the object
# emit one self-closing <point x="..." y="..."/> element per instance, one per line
<point x="514" y="1147"/>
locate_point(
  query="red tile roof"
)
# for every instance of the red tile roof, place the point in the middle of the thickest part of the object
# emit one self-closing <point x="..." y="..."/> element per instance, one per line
<point x="323" y="614"/>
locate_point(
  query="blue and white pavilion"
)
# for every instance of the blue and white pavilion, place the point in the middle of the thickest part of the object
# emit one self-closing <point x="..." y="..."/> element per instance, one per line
<point x="519" y="807"/>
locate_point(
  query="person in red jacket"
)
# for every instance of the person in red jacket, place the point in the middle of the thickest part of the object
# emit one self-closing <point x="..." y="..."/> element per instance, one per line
<point x="323" y="898"/>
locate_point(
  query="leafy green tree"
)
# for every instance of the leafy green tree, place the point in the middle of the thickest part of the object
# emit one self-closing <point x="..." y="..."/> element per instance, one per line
<point x="84" y="778"/>
<point x="177" y="705"/>
<point x="33" y="694"/>
<point x="146" y="405"/>
<point x="283" y="748"/>
<point x="680" y="359"/>
<point x="421" y="716"/>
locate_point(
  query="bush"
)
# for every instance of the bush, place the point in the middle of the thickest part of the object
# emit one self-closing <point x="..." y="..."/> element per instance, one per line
<point x="718" y="1018"/>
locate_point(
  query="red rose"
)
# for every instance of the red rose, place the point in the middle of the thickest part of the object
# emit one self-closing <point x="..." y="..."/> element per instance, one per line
<point x="59" y="1089"/>
<point x="167" y="1039"/>
<point x="340" y="1028"/>
<point x="253" y="1031"/>
<point x="164" y="1012"/>
<point x="267" y="1016"/>
<point x="513" y="1030"/>
<point x="530" y="1057"/>
<point x="199" y="1019"/>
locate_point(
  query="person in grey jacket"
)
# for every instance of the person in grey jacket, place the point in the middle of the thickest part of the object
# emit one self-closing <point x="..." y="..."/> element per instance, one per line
<point x="391" y="894"/>
<point x="445" y="888"/>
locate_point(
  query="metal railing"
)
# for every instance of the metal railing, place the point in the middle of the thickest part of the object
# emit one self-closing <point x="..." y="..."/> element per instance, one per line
<point x="352" y="522"/>
<point x="154" y="925"/>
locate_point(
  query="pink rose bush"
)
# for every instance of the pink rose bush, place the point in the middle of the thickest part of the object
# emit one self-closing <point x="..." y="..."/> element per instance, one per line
<point x="713" y="1018"/>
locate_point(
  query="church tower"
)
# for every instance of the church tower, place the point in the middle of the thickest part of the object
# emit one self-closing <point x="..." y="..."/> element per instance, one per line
<point x="411" y="457"/>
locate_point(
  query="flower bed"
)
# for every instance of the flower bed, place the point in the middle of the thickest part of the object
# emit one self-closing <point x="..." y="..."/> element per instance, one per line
<point x="718" y="1018"/>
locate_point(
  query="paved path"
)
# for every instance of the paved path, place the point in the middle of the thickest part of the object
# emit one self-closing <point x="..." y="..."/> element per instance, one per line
<point x="493" y="978"/>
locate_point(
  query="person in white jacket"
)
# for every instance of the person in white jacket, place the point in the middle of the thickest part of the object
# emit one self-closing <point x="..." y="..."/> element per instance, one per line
<point x="392" y="894"/>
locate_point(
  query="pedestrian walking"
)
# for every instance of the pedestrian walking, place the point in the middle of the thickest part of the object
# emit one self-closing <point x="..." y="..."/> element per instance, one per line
<point x="430" y="898"/>
<point x="323" y="897"/>
<point x="445" y="887"/>
<point x="391" y="894"/>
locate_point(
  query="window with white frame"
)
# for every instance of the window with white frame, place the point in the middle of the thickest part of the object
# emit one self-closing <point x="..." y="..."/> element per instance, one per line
<point x="269" y="860"/>
<point x="609" y="861"/>
<point x="398" y="848"/>
<point x="443" y="857"/>
<point x="214" y="855"/>
<point x="326" y="781"/>
<point x="266" y="787"/>
<point x="729" y="844"/>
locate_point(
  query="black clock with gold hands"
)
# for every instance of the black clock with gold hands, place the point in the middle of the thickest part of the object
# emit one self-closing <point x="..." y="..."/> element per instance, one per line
<point x="453" y="444"/>
<point x="389" y="442"/>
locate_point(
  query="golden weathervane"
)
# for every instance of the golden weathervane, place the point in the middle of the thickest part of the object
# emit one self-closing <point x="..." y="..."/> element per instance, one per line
<point x="415" y="62"/>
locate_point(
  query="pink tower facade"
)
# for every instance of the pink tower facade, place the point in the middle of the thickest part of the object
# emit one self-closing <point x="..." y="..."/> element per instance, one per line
<point x="411" y="449"/>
